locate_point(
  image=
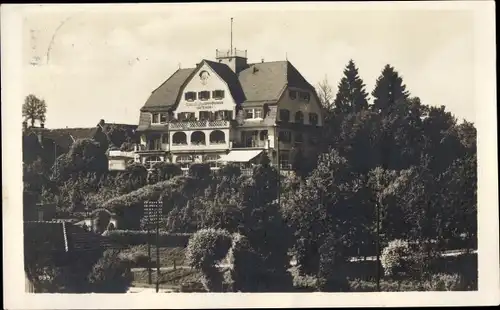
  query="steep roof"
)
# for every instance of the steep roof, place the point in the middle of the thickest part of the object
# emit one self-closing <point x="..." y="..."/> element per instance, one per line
<point x="165" y="96"/>
<point x="259" y="82"/>
<point x="61" y="237"/>
<point x="230" y="78"/>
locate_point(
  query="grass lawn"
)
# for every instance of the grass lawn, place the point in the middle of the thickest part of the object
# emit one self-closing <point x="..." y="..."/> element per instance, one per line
<point x="168" y="278"/>
<point x="168" y="255"/>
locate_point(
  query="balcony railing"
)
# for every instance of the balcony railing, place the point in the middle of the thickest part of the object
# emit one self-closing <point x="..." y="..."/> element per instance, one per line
<point x="230" y="53"/>
<point x="199" y="124"/>
<point x="151" y="148"/>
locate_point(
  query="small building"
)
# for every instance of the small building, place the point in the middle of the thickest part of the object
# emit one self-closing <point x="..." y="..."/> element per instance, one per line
<point x="57" y="243"/>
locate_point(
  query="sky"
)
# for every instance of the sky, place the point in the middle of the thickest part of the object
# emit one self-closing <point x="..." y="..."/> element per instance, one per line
<point x="104" y="61"/>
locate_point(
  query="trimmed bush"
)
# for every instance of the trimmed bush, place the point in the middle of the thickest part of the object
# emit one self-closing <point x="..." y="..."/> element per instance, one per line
<point x="395" y="258"/>
<point x="206" y="248"/>
<point x="199" y="171"/>
<point x="110" y="274"/>
<point x="136" y="237"/>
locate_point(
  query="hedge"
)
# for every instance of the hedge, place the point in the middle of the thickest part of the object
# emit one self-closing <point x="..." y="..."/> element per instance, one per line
<point x="136" y="237"/>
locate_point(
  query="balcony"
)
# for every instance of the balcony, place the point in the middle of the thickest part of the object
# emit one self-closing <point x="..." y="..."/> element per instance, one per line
<point x="148" y="149"/>
<point x="199" y="124"/>
<point x="225" y="53"/>
<point x="254" y="143"/>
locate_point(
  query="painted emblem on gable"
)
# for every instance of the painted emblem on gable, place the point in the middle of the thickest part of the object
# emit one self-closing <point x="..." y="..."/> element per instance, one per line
<point x="204" y="75"/>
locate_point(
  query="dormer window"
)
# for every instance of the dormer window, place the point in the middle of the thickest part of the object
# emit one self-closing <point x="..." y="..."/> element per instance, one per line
<point x="305" y="96"/>
<point x="284" y="115"/>
<point x="253" y="113"/>
<point x="163" y="118"/>
<point x="204" y="95"/>
<point x="155" y="118"/>
<point x="190" y="96"/>
<point x="218" y="94"/>
<point x="293" y="94"/>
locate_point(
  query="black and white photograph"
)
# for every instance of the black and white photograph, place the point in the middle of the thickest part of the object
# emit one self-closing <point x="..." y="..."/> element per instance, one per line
<point x="172" y="149"/>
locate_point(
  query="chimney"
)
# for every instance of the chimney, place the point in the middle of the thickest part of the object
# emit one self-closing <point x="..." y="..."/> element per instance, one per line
<point x="25" y="125"/>
<point x="262" y="60"/>
<point x="42" y="125"/>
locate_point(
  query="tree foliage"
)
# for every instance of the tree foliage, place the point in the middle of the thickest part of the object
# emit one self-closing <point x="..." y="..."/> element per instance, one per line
<point x="34" y="109"/>
<point x="351" y="95"/>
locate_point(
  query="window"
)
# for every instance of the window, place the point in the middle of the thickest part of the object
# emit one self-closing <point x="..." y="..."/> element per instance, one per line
<point x="164" y="139"/>
<point x="204" y="95"/>
<point x="179" y="138"/>
<point x="163" y="118"/>
<point x="284" y="115"/>
<point x="305" y="96"/>
<point x="284" y="160"/>
<point x="299" y="137"/>
<point x="205" y="115"/>
<point x="198" y="138"/>
<point x="285" y="136"/>
<point x="299" y="117"/>
<point x="217" y="137"/>
<point x="218" y="94"/>
<point x="190" y="96"/>
<point x="155" y="118"/>
<point x="151" y="161"/>
<point x="248" y="113"/>
<point x="313" y="119"/>
<point x="213" y="160"/>
<point x="184" y="160"/>
<point x="253" y="113"/>
<point x="263" y="135"/>
<point x="293" y="94"/>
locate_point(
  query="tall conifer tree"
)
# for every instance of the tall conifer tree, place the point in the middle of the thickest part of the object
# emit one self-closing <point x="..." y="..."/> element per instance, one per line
<point x="389" y="90"/>
<point x="351" y="95"/>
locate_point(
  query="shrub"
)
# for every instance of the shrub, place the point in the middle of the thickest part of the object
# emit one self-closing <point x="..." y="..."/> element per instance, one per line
<point x="205" y="249"/>
<point x="199" y="171"/>
<point x="243" y="265"/>
<point x="230" y="170"/>
<point x="110" y="274"/>
<point x="395" y="258"/>
<point x="163" y="171"/>
<point x="446" y="282"/>
<point x="332" y="265"/>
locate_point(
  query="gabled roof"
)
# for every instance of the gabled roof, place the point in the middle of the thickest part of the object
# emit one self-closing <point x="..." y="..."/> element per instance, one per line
<point x="230" y="78"/>
<point x="259" y="82"/>
<point x="61" y="237"/>
<point x="166" y="94"/>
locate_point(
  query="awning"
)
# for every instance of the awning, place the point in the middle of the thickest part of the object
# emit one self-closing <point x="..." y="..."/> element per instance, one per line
<point x="240" y="156"/>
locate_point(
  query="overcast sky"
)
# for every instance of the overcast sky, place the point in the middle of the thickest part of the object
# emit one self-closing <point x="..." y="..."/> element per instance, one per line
<point x="104" y="62"/>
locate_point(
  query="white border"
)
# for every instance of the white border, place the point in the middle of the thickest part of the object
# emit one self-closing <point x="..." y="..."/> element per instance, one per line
<point x="485" y="101"/>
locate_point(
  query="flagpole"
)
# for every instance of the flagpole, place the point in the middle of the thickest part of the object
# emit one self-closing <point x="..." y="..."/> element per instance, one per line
<point x="231" y="35"/>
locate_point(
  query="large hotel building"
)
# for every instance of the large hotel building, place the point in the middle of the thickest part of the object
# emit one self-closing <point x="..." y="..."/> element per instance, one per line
<point x="229" y="110"/>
